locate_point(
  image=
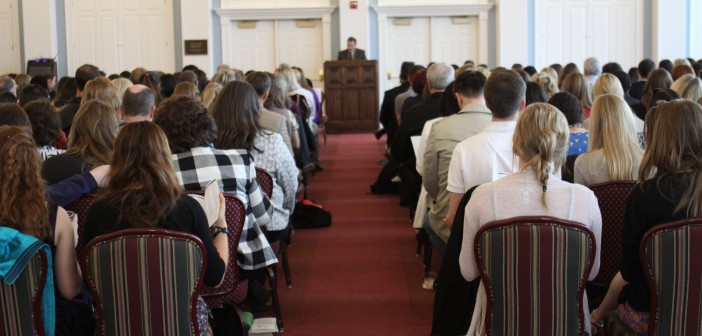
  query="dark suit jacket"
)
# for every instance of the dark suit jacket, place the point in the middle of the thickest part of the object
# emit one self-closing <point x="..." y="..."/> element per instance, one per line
<point x="412" y="123"/>
<point x="358" y="55"/>
<point x="387" y="108"/>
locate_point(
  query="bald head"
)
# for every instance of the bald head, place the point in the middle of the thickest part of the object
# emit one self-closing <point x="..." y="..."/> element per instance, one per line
<point x="139" y="101"/>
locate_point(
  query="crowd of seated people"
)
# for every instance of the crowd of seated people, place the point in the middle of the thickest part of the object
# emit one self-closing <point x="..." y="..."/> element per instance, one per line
<point x="544" y="129"/>
<point x="139" y="140"/>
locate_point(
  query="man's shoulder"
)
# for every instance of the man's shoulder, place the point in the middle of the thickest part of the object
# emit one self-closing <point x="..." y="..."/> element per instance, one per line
<point x="271" y="120"/>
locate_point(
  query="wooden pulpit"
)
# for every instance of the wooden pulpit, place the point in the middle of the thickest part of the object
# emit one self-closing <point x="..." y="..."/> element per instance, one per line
<point x="351" y="96"/>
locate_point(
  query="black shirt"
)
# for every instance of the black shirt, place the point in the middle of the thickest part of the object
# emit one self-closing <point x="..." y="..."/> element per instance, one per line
<point x="646" y="208"/>
<point x="68" y="112"/>
<point x="187" y="216"/>
<point x="60" y="167"/>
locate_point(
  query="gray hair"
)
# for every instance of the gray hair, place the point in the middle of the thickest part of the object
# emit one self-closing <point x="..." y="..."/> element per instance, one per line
<point x="440" y="75"/>
<point x="7" y="84"/>
<point x="592" y="67"/>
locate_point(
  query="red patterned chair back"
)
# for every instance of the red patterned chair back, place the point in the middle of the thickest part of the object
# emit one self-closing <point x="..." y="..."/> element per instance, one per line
<point x="534" y="270"/>
<point x="145" y="281"/>
<point x="21" y="303"/>
<point x="231" y="290"/>
<point x="81" y="207"/>
<point x="671" y="255"/>
<point x="265" y="180"/>
<point x="611" y="197"/>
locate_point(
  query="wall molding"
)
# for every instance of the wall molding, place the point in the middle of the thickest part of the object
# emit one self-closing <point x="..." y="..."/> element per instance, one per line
<point x="247" y="14"/>
<point x="229" y="17"/>
<point x="434" y="10"/>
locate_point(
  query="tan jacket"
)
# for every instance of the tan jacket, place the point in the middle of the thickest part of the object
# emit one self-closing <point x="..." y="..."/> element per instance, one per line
<point x="444" y="136"/>
<point x="274" y="122"/>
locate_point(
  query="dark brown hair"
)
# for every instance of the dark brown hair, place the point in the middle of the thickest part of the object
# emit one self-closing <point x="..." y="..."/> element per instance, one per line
<point x="186" y="123"/>
<point x="141" y="181"/>
<point x="235" y="112"/>
<point x="504" y="91"/>
<point x="46" y="122"/>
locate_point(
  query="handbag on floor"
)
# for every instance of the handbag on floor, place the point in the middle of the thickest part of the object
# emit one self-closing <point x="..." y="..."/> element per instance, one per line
<point x="309" y="215"/>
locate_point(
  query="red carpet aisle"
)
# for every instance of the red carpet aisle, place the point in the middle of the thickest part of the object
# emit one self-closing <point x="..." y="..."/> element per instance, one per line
<point x="360" y="276"/>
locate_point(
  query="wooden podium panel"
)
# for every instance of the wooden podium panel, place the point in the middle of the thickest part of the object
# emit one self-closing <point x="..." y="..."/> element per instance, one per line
<point x="351" y="96"/>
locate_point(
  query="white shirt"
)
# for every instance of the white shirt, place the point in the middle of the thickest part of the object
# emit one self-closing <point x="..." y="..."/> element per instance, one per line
<point x="484" y="157"/>
<point x="520" y="194"/>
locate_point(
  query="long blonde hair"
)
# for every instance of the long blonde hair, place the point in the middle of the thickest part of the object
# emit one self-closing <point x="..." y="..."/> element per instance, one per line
<point x="676" y="147"/>
<point x="613" y="131"/>
<point x="607" y="84"/>
<point x="541" y="141"/>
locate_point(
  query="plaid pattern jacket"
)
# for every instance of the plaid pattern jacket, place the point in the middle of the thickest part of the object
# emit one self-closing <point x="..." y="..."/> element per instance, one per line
<point x="235" y="172"/>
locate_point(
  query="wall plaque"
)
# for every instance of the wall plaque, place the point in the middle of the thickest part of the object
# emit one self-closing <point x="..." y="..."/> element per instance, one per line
<point x="195" y="47"/>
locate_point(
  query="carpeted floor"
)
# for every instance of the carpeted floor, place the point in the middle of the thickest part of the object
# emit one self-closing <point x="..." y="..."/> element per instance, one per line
<point x="360" y="276"/>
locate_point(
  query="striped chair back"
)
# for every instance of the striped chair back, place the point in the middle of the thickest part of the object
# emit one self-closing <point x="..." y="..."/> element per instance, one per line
<point x="81" y="207"/>
<point x="534" y="270"/>
<point x="231" y="290"/>
<point x="265" y="180"/>
<point x="21" y="303"/>
<point x="611" y="197"/>
<point x="671" y="255"/>
<point x="145" y="281"/>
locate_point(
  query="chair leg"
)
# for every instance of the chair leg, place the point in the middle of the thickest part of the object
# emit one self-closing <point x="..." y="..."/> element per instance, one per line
<point x="427" y="254"/>
<point x="286" y="264"/>
<point x="274" y="294"/>
<point x="242" y="320"/>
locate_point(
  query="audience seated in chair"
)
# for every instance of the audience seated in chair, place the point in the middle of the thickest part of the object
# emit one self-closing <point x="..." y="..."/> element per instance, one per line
<point x="614" y="151"/>
<point x="443" y="138"/>
<point x="29" y="212"/>
<point x="669" y="189"/>
<point x="540" y="141"/>
<point x="143" y="192"/>
<point x="90" y="143"/>
<point x="488" y="155"/>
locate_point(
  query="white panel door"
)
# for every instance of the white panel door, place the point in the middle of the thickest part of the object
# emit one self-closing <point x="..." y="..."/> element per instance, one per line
<point x="301" y="46"/>
<point x="9" y="37"/>
<point x="118" y="35"/>
<point x="253" y="48"/>
<point x="407" y="43"/>
<point x="573" y="30"/>
<point x="695" y="37"/>
<point x="454" y="42"/>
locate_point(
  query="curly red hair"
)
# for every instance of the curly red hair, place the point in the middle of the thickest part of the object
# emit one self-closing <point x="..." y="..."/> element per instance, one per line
<point x="22" y="203"/>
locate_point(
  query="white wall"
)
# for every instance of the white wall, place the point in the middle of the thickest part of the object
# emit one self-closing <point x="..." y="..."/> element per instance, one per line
<point x="354" y="22"/>
<point x="512" y="30"/>
<point x="695" y="38"/>
<point x="196" y="24"/>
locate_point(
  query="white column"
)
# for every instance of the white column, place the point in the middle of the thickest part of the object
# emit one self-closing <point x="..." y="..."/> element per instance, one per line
<point x="483" y="34"/>
<point x="226" y="24"/>
<point x="669" y="29"/>
<point x="512" y="30"/>
<point x="326" y="37"/>
<point x="382" y="65"/>
<point x="39" y="24"/>
<point x="695" y="38"/>
<point x="196" y="24"/>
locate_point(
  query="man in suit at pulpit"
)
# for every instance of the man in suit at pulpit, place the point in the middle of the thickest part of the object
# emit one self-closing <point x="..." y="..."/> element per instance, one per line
<point x="352" y="53"/>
